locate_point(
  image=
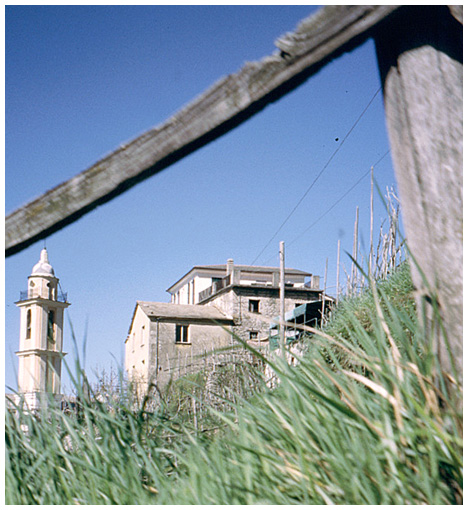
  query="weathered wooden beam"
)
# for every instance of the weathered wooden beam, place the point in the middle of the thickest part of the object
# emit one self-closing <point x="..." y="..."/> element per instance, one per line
<point x="422" y="73"/>
<point x="318" y="39"/>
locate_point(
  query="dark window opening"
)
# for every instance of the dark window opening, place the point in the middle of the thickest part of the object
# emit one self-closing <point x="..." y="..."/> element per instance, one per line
<point x="182" y="334"/>
<point x="254" y="305"/>
<point x="253" y="335"/>
<point x="51" y="326"/>
<point x="28" y="324"/>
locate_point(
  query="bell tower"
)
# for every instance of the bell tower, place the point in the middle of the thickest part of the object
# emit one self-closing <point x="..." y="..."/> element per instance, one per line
<point x="41" y="336"/>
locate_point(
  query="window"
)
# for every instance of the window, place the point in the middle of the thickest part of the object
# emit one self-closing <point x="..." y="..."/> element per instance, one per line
<point x="142" y="336"/>
<point x="28" y="324"/>
<point x="253" y="335"/>
<point x="216" y="284"/>
<point x="182" y="334"/>
<point x="254" y="305"/>
<point x="51" y="326"/>
<point x="51" y="292"/>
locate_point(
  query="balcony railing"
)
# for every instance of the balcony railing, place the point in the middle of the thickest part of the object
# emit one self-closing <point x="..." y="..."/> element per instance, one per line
<point x="215" y="287"/>
<point x="31" y="294"/>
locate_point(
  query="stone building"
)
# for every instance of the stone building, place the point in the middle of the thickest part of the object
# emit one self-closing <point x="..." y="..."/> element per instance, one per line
<point x="211" y="307"/>
<point x="167" y="340"/>
<point x="40" y="352"/>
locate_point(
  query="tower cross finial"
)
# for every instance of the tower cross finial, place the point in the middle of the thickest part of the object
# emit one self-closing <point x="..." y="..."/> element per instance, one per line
<point x="44" y="255"/>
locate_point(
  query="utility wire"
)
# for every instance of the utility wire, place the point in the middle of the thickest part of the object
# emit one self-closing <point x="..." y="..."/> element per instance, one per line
<point x="336" y="203"/>
<point x="316" y="178"/>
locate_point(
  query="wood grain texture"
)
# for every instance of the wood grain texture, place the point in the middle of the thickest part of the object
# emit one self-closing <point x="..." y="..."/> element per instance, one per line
<point x="225" y="105"/>
<point x="457" y="12"/>
<point x="422" y="72"/>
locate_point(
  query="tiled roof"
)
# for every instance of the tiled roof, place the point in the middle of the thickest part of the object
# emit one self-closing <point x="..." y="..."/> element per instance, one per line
<point x="174" y="311"/>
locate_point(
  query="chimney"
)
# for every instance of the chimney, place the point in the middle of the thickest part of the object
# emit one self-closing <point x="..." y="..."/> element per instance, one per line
<point x="229" y="267"/>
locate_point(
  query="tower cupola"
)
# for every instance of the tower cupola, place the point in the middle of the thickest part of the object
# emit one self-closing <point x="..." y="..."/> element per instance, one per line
<point x="43" y="268"/>
<point x="42" y="281"/>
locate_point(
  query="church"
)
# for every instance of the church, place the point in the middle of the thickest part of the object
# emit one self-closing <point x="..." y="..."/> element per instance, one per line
<point x="40" y="352"/>
<point x="212" y="306"/>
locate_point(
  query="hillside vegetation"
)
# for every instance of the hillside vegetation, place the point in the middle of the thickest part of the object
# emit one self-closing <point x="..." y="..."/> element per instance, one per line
<point x="362" y="418"/>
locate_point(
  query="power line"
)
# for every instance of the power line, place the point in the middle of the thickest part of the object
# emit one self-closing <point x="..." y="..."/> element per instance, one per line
<point x="337" y="202"/>
<point x="316" y="178"/>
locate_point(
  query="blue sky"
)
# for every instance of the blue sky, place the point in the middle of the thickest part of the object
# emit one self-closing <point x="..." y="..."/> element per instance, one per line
<point x="82" y="79"/>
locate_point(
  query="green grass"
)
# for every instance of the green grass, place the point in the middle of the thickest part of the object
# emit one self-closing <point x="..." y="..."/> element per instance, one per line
<point x="363" y="418"/>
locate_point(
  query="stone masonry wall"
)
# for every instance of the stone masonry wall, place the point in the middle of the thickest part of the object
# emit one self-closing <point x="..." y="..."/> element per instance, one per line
<point x="236" y="304"/>
<point x="178" y="359"/>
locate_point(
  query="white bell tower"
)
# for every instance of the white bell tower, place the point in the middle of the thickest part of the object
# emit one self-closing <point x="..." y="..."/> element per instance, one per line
<point x="41" y="336"/>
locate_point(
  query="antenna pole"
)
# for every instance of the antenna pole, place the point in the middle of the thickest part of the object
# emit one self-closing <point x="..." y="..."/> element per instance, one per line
<point x="338" y="272"/>
<point x="281" y="328"/>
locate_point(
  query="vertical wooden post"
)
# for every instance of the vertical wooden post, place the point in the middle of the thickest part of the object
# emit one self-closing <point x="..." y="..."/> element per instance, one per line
<point x="281" y="327"/>
<point x="420" y="52"/>
<point x="355" y="252"/>
<point x="324" y="290"/>
<point x="338" y="272"/>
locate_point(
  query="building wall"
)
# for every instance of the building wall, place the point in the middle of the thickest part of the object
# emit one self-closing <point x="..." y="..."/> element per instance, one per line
<point x="269" y="278"/>
<point x="177" y="359"/>
<point x="27" y="374"/>
<point x="188" y="293"/>
<point x="152" y="354"/>
<point x="188" y="289"/>
<point x="137" y="348"/>
<point x="32" y="368"/>
<point x="160" y="358"/>
<point x="236" y="304"/>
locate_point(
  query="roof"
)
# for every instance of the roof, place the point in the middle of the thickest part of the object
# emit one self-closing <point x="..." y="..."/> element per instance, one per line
<point x="221" y="268"/>
<point x="170" y="312"/>
<point x="173" y="311"/>
<point x="254" y="269"/>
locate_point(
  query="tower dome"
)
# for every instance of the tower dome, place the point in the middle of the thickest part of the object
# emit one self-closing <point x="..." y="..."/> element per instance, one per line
<point x="43" y="268"/>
